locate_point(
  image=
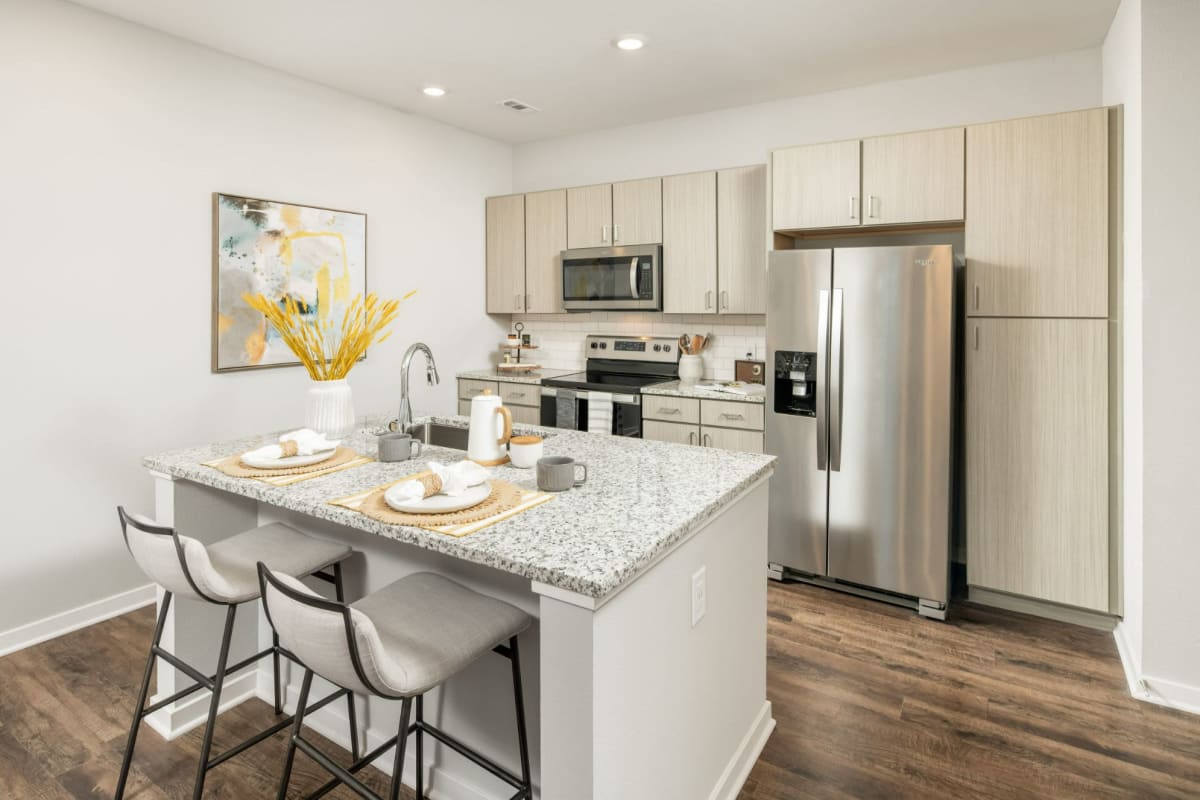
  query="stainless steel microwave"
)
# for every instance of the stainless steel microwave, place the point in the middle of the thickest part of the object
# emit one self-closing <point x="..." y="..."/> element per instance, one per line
<point x="613" y="278"/>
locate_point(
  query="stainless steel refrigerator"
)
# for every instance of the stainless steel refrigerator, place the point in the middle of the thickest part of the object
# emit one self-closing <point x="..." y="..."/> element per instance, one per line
<point x="860" y="414"/>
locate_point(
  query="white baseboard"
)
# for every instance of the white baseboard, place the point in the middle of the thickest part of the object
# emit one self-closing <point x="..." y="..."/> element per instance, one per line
<point x="733" y="777"/>
<point x="1159" y="691"/>
<point x="192" y="712"/>
<point x="68" y="621"/>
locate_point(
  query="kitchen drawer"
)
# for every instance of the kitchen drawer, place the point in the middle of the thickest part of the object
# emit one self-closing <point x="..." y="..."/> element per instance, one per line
<point x="732" y="439"/>
<point x="670" y="409"/>
<point x="520" y="394"/>
<point x="670" y="432"/>
<point x="732" y="414"/>
<point x="526" y="415"/>
<point x="468" y="388"/>
<point x="464" y="408"/>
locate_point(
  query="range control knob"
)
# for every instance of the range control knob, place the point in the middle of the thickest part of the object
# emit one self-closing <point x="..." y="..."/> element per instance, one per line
<point x="666" y="348"/>
<point x="658" y="348"/>
<point x="604" y="345"/>
<point x="594" y="345"/>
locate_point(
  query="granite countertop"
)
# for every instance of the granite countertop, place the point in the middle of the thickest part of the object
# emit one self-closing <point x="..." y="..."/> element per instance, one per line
<point x="641" y="498"/>
<point x="513" y="377"/>
<point x="677" y="389"/>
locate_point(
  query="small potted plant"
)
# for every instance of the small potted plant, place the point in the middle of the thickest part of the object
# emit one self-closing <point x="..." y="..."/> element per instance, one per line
<point x="329" y="353"/>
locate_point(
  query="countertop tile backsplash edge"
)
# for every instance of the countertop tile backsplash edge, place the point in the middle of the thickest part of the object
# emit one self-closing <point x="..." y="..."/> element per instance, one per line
<point x="560" y="336"/>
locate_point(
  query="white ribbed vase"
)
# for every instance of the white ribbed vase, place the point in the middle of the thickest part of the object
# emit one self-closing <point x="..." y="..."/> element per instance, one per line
<point x="691" y="369"/>
<point x="329" y="408"/>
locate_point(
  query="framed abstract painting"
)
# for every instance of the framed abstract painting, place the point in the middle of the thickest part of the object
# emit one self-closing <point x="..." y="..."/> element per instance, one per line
<point x="316" y="257"/>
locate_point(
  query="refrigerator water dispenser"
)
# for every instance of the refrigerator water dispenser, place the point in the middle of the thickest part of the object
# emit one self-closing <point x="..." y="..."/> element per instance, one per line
<point x="796" y="383"/>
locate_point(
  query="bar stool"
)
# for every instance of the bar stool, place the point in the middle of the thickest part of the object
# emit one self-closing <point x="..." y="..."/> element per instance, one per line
<point x="224" y="573"/>
<point x="396" y="643"/>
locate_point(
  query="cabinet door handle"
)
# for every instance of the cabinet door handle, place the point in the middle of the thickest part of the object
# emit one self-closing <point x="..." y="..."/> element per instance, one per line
<point x="517" y="302"/>
<point x="604" y="233"/>
<point x="691" y="437"/>
<point x="516" y="394"/>
<point x="871" y="206"/>
<point x="976" y="337"/>
<point x="528" y="298"/>
<point x="616" y="233"/>
<point x="853" y="215"/>
<point x="669" y="411"/>
<point x="725" y="415"/>
<point x="708" y="299"/>
<point x="707" y="440"/>
<point x="977" y="297"/>
<point x="725" y="300"/>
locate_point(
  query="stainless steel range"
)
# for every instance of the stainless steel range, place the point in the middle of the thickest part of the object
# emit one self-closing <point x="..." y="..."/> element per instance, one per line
<point x="617" y="366"/>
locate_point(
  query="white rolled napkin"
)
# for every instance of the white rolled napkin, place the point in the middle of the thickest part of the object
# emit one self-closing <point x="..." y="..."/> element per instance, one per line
<point x="308" y="442"/>
<point x="456" y="479"/>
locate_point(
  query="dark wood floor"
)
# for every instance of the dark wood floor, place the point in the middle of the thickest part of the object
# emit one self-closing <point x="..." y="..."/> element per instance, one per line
<point x="870" y="701"/>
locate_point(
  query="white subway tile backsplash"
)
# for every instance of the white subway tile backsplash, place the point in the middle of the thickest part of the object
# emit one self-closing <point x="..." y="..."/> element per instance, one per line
<point x="560" y="336"/>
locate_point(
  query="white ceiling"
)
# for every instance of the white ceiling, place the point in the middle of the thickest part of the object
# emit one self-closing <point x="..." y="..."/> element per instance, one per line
<point x="558" y="55"/>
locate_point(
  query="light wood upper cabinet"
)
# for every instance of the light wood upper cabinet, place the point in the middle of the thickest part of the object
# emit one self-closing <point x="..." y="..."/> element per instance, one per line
<point x="689" y="237"/>
<point x="815" y="186"/>
<point x="1037" y="458"/>
<point x="913" y="177"/>
<point x="505" y="254"/>
<point x="590" y="216"/>
<point x="1037" y="201"/>
<point x="545" y="239"/>
<point x="742" y="240"/>
<point x="637" y="214"/>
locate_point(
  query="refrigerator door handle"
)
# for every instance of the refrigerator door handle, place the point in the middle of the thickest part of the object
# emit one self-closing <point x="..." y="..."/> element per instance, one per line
<point x="822" y="373"/>
<point x="835" y="386"/>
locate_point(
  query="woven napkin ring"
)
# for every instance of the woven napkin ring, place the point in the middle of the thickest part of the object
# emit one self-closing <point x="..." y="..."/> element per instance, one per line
<point x="289" y="448"/>
<point x="432" y="484"/>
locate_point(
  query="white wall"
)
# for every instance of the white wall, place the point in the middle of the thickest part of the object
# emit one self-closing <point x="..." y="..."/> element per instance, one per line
<point x="112" y="141"/>
<point x="1171" y="286"/>
<point x="1122" y="76"/>
<point x="744" y="135"/>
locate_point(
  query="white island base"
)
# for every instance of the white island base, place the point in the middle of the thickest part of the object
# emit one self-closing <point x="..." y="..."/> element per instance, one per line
<point x="626" y="697"/>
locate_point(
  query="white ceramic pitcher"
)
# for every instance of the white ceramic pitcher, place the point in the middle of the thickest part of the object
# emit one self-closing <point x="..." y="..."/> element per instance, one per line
<point x="491" y="428"/>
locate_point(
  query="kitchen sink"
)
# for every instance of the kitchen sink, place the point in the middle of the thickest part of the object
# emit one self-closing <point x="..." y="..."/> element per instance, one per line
<point x="438" y="435"/>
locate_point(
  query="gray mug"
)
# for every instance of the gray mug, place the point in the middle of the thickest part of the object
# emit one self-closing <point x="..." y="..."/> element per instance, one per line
<point x="398" y="447"/>
<point x="557" y="473"/>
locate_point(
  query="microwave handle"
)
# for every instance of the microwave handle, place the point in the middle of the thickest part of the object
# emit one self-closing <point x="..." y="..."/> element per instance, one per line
<point x="633" y="287"/>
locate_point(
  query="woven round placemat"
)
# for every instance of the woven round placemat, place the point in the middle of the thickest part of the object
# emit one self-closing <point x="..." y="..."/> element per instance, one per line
<point x="234" y="466"/>
<point x="504" y="496"/>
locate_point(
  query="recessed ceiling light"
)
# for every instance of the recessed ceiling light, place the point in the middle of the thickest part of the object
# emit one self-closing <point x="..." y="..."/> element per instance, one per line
<point x="434" y="91"/>
<point x="630" y="43"/>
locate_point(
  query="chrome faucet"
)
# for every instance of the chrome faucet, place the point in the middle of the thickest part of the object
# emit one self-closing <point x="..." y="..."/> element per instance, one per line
<point x="431" y="377"/>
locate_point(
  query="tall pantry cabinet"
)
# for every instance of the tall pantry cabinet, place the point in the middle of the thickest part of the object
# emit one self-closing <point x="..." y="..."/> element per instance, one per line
<point x="1037" y="354"/>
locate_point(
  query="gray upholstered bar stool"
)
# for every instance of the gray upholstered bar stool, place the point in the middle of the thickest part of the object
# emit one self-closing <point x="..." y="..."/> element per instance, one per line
<point x="396" y="643"/>
<point x="224" y="573"/>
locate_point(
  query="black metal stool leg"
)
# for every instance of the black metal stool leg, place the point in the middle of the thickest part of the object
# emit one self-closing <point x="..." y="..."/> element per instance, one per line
<point x="522" y="736"/>
<point x="290" y="759"/>
<point x="401" y="739"/>
<point x="351" y="713"/>
<point x="275" y="669"/>
<point x="214" y="706"/>
<point x="127" y="759"/>
<point x="420" y="749"/>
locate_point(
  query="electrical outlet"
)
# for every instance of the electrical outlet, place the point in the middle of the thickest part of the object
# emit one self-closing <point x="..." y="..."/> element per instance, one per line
<point x="699" y="596"/>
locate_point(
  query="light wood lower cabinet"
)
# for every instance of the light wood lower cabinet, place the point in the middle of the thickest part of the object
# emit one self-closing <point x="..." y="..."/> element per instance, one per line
<point x="464" y="408"/>
<point x="732" y="439"/>
<point x="1037" y="459"/>
<point x="526" y="415"/>
<point x="469" y="387"/>
<point x="684" y="413"/>
<point x="673" y="432"/>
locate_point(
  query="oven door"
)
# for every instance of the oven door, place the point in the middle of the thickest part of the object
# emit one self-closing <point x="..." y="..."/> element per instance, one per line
<point x="627" y="412"/>
<point x="613" y="278"/>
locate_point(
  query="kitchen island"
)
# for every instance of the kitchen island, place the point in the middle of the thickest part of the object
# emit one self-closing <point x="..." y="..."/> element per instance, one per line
<point x="635" y="687"/>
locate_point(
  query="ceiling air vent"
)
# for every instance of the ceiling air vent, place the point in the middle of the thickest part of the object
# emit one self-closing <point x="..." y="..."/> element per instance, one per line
<point x="517" y="105"/>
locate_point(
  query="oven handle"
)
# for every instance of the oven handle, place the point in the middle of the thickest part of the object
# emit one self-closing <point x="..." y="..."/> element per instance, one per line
<point x="623" y="399"/>
<point x="633" y="288"/>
